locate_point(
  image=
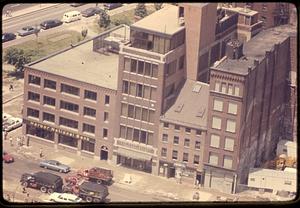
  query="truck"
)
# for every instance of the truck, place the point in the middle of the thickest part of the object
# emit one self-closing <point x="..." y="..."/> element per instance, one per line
<point x="87" y="190"/>
<point x="95" y="174"/>
<point x="46" y="182"/>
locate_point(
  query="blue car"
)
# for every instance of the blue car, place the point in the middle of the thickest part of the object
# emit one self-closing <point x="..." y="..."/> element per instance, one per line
<point x="54" y="165"/>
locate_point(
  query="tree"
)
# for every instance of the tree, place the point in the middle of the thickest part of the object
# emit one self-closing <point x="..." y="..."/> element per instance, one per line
<point x="11" y="56"/>
<point x="140" y="10"/>
<point x="158" y="6"/>
<point x="104" y="20"/>
<point x="22" y="60"/>
<point x="120" y="21"/>
<point x="17" y="57"/>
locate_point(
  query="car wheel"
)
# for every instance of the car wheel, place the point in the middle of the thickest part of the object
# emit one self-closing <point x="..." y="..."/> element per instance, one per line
<point x="60" y="170"/>
<point x="45" y="167"/>
<point x="99" y="181"/>
<point x="43" y="189"/>
<point x="97" y="200"/>
<point x="89" y="199"/>
<point x="50" y="191"/>
<point x="25" y="184"/>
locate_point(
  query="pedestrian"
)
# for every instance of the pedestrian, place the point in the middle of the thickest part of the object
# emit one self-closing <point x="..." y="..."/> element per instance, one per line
<point x="41" y="152"/>
<point x="24" y="190"/>
<point x="5" y="135"/>
<point x="11" y="141"/>
<point x="8" y="197"/>
<point x="11" y="87"/>
<point x="180" y="176"/>
<point x="197" y="184"/>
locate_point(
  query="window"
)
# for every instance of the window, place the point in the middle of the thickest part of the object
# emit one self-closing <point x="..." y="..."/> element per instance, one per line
<point x="68" y="122"/>
<point x="165" y="138"/>
<point x="287" y="182"/>
<point x="216" y="122"/>
<point x="147" y="92"/>
<point x="252" y="179"/>
<point x="133" y="65"/>
<point x="218" y="105"/>
<point x="227" y="163"/>
<point x="154" y="70"/>
<point x="143" y="137"/>
<point x="185" y="157"/>
<point x="144" y="114"/>
<point x="188" y="130"/>
<point x="166" y="125"/>
<point x="236" y="91"/>
<point x="176" y="140"/>
<point x="213" y="159"/>
<point x="90" y="95"/>
<point x="139" y="90"/>
<point x="174" y="155"/>
<point x="132" y="88"/>
<point x="151" y="116"/>
<point x="152" y="93"/>
<point x="89" y="112"/>
<point x="67" y="140"/>
<point x="171" y="68"/>
<point x="32" y="112"/>
<point x="232" y="108"/>
<point x="105" y="116"/>
<point x="105" y="133"/>
<point x="177" y="127"/>
<point x="106" y="102"/>
<point x="124" y="109"/>
<point x="164" y="152"/>
<point x="186" y="142"/>
<point x="197" y="144"/>
<point x="87" y="146"/>
<point x="48" y="117"/>
<point x="88" y="128"/>
<point x="217" y="86"/>
<point x="230" y="89"/>
<point x="230" y="126"/>
<point x="69" y="89"/>
<point x="223" y="87"/>
<point x="150" y="139"/>
<point x="140" y="67"/>
<point x="122" y="132"/>
<point x="138" y="113"/>
<point x="34" y="80"/>
<point x="229" y="144"/>
<point x="181" y="62"/>
<point x="136" y="135"/>
<point x="126" y="64"/>
<point x="169" y="90"/>
<point x="147" y="69"/>
<point x="49" y="84"/>
<point x="125" y="88"/>
<point x="198" y="132"/>
<point x="196" y="159"/>
<point x="49" y="101"/>
<point x="284" y="150"/>
<point x="34" y="96"/>
<point x="215" y="140"/>
<point x="130" y="111"/>
<point x="129" y="133"/>
<point x="69" y="106"/>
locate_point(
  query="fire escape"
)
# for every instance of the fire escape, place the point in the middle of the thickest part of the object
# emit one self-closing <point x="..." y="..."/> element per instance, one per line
<point x="281" y="14"/>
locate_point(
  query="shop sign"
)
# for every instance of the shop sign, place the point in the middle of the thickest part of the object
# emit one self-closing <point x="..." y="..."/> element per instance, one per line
<point x="134" y="146"/>
<point x="57" y="130"/>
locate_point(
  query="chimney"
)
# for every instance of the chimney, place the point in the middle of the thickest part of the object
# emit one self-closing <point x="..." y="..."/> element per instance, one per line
<point x="234" y="49"/>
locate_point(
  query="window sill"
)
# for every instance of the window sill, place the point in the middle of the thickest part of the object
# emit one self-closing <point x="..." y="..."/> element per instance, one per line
<point x="229" y="150"/>
<point x="68" y="128"/>
<point x="166" y="142"/>
<point x="49" y="106"/>
<point x="34" y="102"/>
<point x="49" y="122"/>
<point x="34" y="118"/>
<point x="87" y="152"/>
<point x="71" y="95"/>
<point x="34" y="85"/>
<point x="68" y="111"/>
<point x="89" y="134"/>
<point x="89" y="117"/>
<point x="49" y="89"/>
<point x="90" y="100"/>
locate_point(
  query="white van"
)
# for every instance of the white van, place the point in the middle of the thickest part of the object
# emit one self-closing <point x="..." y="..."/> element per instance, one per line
<point x="71" y="16"/>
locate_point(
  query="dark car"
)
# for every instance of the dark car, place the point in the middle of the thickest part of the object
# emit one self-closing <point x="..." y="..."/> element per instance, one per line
<point x="50" y="23"/>
<point x="7" y="158"/>
<point x="46" y="182"/>
<point x="28" y="30"/>
<point x="91" y="11"/>
<point x="8" y="37"/>
<point x="76" y="4"/>
<point x="112" y="6"/>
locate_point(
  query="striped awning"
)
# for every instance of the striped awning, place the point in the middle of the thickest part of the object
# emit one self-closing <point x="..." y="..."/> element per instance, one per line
<point x="133" y="154"/>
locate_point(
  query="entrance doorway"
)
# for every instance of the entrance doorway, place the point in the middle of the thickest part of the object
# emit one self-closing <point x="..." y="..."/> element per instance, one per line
<point x="104" y="153"/>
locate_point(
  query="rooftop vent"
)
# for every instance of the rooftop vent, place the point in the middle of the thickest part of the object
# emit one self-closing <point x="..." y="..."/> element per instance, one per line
<point x="234" y="49"/>
<point x="197" y="88"/>
<point x="179" y="108"/>
<point x="201" y="112"/>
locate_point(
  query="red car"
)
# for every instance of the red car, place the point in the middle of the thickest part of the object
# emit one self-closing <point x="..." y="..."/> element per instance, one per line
<point x="7" y="158"/>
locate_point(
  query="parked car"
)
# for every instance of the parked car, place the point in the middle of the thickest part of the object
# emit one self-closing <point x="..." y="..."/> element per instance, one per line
<point x="7" y="158"/>
<point x="50" y="24"/>
<point x="71" y="16"/>
<point x="46" y="182"/>
<point x="64" y="197"/>
<point x="91" y="11"/>
<point x="76" y="4"/>
<point x="8" y="36"/>
<point x="28" y="30"/>
<point x="98" y="175"/>
<point x="54" y="165"/>
<point x="5" y="116"/>
<point x="88" y="191"/>
<point x="112" y="6"/>
<point x="12" y="123"/>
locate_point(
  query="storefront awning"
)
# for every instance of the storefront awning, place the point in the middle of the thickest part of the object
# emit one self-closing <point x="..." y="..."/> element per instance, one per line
<point x="133" y="154"/>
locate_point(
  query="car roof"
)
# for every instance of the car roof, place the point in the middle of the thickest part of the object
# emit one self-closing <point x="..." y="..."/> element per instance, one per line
<point x="69" y="196"/>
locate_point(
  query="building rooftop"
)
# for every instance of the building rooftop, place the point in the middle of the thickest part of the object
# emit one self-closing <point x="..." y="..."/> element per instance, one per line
<point x="241" y="10"/>
<point x="190" y="107"/>
<point x="83" y="64"/>
<point x="272" y="173"/>
<point x="255" y="48"/>
<point x="164" y="21"/>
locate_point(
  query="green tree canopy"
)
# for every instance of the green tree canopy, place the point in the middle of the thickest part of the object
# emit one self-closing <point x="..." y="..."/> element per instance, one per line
<point x="104" y="20"/>
<point x="141" y="10"/>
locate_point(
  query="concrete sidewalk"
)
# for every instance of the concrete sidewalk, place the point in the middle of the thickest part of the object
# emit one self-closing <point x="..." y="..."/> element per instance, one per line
<point x="27" y="10"/>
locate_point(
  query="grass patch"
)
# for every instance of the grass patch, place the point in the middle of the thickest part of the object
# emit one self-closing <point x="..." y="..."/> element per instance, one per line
<point x="44" y="46"/>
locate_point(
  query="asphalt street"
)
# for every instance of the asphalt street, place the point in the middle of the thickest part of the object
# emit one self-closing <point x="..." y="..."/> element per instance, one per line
<point x="16" y="7"/>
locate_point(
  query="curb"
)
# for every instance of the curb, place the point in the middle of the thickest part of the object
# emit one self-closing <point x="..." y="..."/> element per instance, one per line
<point x="12" y="98"/>
<point x="29" y="13"/>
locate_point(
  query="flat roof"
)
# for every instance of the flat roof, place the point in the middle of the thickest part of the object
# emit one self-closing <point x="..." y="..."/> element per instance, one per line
<point x="241" y="10"/>
<point x="272" y="173"/>
<point x="287" y="143"/>
<point x="81" y="63"/>
<point x="164" y="21"/>
<point x="191" y="106"/>
<point x="255" y="48"/>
